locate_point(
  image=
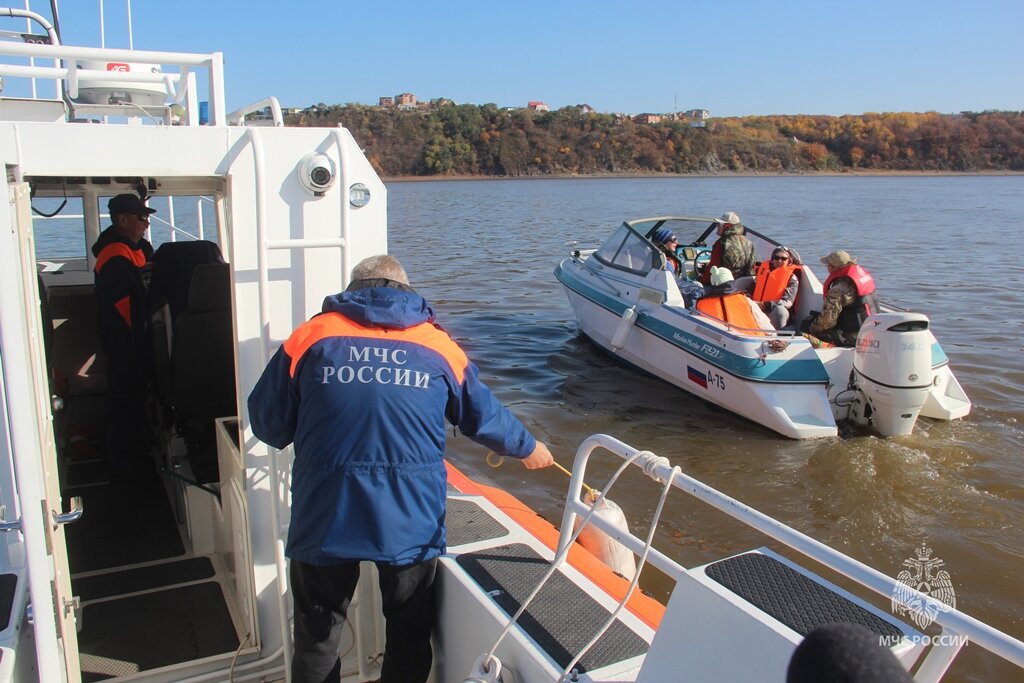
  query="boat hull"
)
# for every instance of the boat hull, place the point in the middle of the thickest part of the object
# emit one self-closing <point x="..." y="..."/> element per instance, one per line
<point x="786" y="391"/>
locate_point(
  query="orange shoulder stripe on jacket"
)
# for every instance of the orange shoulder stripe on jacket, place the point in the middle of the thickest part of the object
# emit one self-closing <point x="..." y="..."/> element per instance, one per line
<point x="115" y="249"/>
<point x="337" y="325"/>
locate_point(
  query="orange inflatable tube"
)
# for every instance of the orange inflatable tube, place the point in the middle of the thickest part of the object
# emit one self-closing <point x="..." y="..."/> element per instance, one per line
<point x="645" y="608"/>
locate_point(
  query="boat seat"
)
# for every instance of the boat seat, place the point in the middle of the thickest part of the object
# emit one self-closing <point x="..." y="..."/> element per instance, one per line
<point x="173" y="264"/>
<point x="202" y="361"/>
<point x="806" y="300"/>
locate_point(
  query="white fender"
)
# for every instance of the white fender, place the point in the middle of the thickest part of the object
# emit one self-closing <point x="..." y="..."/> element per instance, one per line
<point x="625" y="325"/>
<point x="600" y="544"/>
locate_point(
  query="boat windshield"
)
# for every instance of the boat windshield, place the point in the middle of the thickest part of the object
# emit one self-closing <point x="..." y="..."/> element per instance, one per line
<point x="628" y="250"/>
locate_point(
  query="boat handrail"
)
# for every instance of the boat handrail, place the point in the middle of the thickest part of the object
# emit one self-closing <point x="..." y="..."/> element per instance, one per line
<point x="577" y="254"/>
<point x="213" y="62"/>
<point x="952" y="621"/>
<point x="237" y="117"/>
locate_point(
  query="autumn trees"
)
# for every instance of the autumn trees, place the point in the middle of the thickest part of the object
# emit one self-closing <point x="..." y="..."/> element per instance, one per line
<point x="485" y="140"/>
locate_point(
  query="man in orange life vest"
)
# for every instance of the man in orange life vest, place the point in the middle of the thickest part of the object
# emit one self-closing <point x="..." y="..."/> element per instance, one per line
<point x="849" y="300"/>
<point x="776" y="285"/>
<point x="122" y="306"/>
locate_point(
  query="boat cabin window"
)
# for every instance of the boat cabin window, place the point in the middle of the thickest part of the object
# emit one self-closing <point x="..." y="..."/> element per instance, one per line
<point x="59" y="231"/>
<point x="627" y="250"/>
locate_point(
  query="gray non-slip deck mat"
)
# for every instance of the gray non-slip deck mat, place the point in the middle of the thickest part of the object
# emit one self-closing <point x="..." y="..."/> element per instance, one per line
<point x="467" y="522"/>
<point x="790" y="597"/>
<point x="142" y="632"/>
<point x="142" y="578"/>
<point x="122" y="524"/>
<point x="562" y="618"/>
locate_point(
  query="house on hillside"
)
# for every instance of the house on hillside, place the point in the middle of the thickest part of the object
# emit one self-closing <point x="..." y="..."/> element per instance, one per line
<point x="697" y="117"/>
<point x="648" y="118"/>
<point x="538" y="106"/>
<point x="405" y="101"/>
<point x="386" y="102"/>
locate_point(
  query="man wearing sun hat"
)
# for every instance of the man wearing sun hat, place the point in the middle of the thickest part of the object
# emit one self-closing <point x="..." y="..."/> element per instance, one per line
<point x="733" y="250"/>
<point x="849" y="300"/>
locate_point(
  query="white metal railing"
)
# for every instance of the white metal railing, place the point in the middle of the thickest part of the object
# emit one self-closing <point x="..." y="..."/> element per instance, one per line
<point x="180" y="87"/>
<point x="237" y="117"/>
<point x="952" y="621"/>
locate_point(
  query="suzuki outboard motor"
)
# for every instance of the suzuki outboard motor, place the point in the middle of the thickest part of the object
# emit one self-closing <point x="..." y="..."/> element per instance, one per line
<point x="892" y="367"/>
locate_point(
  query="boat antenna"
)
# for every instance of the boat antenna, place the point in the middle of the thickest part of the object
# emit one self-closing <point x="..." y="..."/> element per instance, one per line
<point x="131" y="41"/>
<point x="56" y="20"/>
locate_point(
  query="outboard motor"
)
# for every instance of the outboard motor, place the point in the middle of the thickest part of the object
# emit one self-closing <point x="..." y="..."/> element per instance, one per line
<point x="892" y="367"/>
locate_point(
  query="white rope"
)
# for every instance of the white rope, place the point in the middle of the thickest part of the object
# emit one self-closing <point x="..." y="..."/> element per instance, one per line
<point x="643" y="559"/>
<point x="652" y="462"/>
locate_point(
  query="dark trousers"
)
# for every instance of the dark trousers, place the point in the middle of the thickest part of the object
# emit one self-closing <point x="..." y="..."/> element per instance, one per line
<point x="322" y="596"/>
<point x="125" y="419"/>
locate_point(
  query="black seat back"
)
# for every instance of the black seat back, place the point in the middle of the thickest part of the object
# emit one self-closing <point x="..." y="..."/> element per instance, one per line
<point x="173" y="264"/>
<point x="202" y="360"/>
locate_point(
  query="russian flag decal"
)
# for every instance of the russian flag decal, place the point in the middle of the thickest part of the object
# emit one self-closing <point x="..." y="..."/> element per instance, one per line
<point x="697" y="377"/>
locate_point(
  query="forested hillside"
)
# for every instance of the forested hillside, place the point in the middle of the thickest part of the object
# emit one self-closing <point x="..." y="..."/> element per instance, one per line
<point x="486" y="140"/>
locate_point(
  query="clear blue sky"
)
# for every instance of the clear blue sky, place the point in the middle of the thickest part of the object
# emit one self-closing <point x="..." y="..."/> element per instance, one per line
<point x="731" y="57"/>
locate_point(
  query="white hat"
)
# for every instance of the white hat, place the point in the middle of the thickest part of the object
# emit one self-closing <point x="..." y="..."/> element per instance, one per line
<point x="730" y="217"/>
<point x="719" y="276"/>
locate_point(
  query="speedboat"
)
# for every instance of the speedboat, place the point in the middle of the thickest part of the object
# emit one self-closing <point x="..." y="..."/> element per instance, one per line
<point x="182" y="576"/>
<point x="631" y="305"/>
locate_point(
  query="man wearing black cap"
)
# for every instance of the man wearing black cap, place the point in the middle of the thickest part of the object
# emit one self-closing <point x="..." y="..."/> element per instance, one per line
<point x="122" y="258"/>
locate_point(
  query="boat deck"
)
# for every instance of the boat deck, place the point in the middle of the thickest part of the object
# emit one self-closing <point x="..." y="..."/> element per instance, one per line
<point x="146" y="601"/>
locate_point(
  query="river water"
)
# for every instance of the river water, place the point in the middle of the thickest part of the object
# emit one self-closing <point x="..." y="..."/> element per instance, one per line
<point x="483" y="252"/>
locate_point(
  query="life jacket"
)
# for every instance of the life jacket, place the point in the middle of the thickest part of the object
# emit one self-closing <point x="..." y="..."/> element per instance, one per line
<point x="716" y="260"/>
<point x="853" y="316"/>
<point x="770" y="284"/>
<point x="672" y="261"/>
<point x="733" y="308"/>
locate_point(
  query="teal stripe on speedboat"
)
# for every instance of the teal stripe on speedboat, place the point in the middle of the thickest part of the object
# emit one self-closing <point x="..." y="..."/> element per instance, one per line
<point x="795" y="370"/>
<point x="801" y="370"/>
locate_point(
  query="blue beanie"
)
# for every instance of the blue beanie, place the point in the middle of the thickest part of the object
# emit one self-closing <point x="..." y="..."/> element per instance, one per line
<point x="662" y="235"/>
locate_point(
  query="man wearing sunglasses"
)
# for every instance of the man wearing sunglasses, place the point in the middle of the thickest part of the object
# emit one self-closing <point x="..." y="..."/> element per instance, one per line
<point x="122" y="305"/>
<point x="776" y="285"/>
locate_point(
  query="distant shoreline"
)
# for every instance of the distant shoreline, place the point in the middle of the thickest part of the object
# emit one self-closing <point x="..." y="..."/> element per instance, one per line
<point x="728" y="174"/>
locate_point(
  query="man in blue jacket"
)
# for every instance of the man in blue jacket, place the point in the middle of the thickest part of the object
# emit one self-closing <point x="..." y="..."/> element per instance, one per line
<point x="364" y="390"/>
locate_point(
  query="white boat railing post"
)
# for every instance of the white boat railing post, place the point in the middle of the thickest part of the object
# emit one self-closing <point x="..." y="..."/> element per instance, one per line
<point x="218" y="109"/>
<point x="170" y="218"/>
<point x="346" y="207"/>
<point x="938" y="659"/>
<point x="277" y="526"/>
